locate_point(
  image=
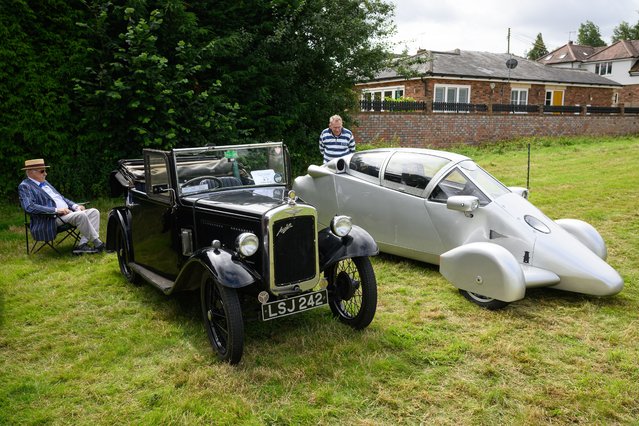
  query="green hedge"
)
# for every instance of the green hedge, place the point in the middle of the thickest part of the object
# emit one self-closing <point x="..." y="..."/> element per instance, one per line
<point x="84" y="83"/>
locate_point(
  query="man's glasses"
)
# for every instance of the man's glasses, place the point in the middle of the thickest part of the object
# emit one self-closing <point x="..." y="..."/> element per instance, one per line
<point x="41" y="171"/>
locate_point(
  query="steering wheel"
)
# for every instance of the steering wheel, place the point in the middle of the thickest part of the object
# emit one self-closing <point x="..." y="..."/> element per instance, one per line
<point x="218" y="183"/>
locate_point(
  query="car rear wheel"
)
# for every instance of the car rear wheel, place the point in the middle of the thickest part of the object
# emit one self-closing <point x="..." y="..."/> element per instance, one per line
<point x="483" y="301"/>
<point x="222" y="315"/>
<point x="124" y="257"/>
<point x="352" y="291"/>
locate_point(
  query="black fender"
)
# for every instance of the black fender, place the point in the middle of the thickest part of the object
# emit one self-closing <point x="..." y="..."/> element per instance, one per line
<point x="118" y="216"/>
<point x="357" y="243"/>
<point x="222" y="264"/>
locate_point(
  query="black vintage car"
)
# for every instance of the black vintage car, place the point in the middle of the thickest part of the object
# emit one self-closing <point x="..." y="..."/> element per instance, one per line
<point x="223" y="220"/>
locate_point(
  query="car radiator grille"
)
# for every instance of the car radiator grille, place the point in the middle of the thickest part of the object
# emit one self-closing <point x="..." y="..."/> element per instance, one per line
<point x="294" y="249"/>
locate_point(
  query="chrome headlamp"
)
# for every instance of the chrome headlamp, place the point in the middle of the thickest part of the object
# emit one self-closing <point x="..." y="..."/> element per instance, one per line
<point x="247" y="244"/>
<point x="341" y="225"/>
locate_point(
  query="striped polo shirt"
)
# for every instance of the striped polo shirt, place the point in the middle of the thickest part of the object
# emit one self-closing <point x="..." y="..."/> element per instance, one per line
<point x="332" y="146"/>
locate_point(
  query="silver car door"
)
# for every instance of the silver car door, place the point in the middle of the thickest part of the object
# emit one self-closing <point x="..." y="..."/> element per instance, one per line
<point x="456" y="228"/>
<point x="394" y="212"/>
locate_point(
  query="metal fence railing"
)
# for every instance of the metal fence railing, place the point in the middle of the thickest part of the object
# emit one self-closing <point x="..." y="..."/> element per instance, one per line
<point x="465" y="108"/>
<point x="406" y="106"/>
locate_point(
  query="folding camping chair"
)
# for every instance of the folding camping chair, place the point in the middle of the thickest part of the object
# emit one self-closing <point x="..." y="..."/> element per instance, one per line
<point x="64" y="231"/>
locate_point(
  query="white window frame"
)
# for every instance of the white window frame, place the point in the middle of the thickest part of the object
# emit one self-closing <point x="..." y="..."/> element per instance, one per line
<point x="447" y="90"/>
<point x="518" y="91"/>
<point x="380" y="93"/>
<point x="603" y="68"/>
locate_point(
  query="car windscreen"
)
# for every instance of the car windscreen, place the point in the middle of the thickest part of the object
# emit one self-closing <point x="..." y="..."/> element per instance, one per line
<point x="486" y="182"/>
<point x="468" y="179"/>
<point x="206" y="169"/>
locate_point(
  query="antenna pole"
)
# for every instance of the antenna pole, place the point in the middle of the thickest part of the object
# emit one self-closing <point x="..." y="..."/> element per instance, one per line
<point x="528" y="174"/>
<point x="508" y="37"/>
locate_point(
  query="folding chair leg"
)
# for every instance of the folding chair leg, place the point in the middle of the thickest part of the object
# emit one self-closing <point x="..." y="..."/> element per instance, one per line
<point x="43" y="244"/>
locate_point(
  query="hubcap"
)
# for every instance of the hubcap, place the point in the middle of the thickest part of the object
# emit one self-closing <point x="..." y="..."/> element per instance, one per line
<point x="346" y="286"/>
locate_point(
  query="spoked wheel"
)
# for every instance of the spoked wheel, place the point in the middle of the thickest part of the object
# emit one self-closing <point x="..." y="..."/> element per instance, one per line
<point x="483" y="301"/>
<point x="124" y="257"/>
<point x="352" y="291"/>
<point x="222" y="317"/>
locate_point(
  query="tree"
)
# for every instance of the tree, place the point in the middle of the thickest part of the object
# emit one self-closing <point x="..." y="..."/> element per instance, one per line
<point x="538" y="50"/>
<point x="292" y="64"/>
<point x="625" y="32"/>
<point x="84" y="83"/>
<point x="589" y="35"/>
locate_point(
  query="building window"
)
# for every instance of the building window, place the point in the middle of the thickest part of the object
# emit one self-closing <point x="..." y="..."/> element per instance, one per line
<point x="379" y="94"/>
<point x="519" y="97"/>
<point x="603" y="68"/>
<point x="445" y="94"/>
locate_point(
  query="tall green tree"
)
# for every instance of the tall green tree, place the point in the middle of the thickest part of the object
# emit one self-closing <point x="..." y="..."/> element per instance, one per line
<point x="538" y="50"/>
<point x="41" y="51"/>
<point x="291" y="64"/>
<point x="589" y="35"/>
<point x="86" y="82"/>
<point x="625" y="31"/>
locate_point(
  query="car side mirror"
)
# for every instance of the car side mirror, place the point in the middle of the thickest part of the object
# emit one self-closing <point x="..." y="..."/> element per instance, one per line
<point x="520" y="191"/>
<point x="463" y="203"/>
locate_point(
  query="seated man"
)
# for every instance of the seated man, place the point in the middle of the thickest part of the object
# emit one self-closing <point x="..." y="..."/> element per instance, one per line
<point x="39" y="197"/>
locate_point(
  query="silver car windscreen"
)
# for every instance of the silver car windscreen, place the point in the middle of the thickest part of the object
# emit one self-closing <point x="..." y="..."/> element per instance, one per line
<point x="484" y="180"/>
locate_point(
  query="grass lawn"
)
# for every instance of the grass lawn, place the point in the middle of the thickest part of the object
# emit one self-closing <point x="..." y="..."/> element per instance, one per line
<point x="79" y="345"/>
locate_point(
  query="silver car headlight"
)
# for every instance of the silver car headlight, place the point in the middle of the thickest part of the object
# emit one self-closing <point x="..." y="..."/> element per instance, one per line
<point x="247" y="243"/>
<point x="341" y="225"/>
<point x="536" y="224"/>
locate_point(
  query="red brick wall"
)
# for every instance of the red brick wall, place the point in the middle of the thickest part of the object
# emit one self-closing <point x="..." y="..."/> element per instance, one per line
<point x="441" y="130"/>
<point x="629" y="95"/>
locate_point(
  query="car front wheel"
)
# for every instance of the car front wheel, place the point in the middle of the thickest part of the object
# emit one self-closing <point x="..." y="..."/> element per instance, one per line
<point x="483" y="301"/>
<point x="124" y="257"/>
<point x="222" y="315"/>
<point x="352" y="291"/>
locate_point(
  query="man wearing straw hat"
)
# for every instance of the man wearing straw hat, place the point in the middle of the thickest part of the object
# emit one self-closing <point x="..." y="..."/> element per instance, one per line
<point x="39" y="198"/>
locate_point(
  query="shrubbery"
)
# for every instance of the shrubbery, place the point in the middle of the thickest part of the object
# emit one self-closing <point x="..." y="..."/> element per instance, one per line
<point x="85" y="83"/>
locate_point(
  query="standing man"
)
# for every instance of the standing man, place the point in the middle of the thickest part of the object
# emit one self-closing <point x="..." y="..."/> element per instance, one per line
<point x="39" y="198"/>
<point x="335" y="141"/>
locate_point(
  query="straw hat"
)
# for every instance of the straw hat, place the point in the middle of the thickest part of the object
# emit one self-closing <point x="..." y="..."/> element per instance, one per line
<point x="38" y="163"/>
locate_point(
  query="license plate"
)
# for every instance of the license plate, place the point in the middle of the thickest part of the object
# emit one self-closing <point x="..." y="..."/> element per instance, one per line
<point x="293" y="305"/>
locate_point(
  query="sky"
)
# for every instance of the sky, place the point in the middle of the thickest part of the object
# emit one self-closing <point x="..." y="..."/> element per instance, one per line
<point x="482" y="25"/>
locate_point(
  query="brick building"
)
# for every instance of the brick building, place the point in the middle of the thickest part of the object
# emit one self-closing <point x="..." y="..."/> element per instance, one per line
<point x="485" y="78"/>
<point x="618" y="62"/>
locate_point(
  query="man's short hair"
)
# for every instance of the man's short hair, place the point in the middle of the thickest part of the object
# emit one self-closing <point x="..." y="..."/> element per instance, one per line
<point x="334" y="118"/>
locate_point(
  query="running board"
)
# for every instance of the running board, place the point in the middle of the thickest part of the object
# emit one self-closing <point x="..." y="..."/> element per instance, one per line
<point x="165" y="285"/>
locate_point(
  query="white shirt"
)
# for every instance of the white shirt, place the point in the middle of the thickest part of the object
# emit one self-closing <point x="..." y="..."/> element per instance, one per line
<point x="57" y="198"/>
